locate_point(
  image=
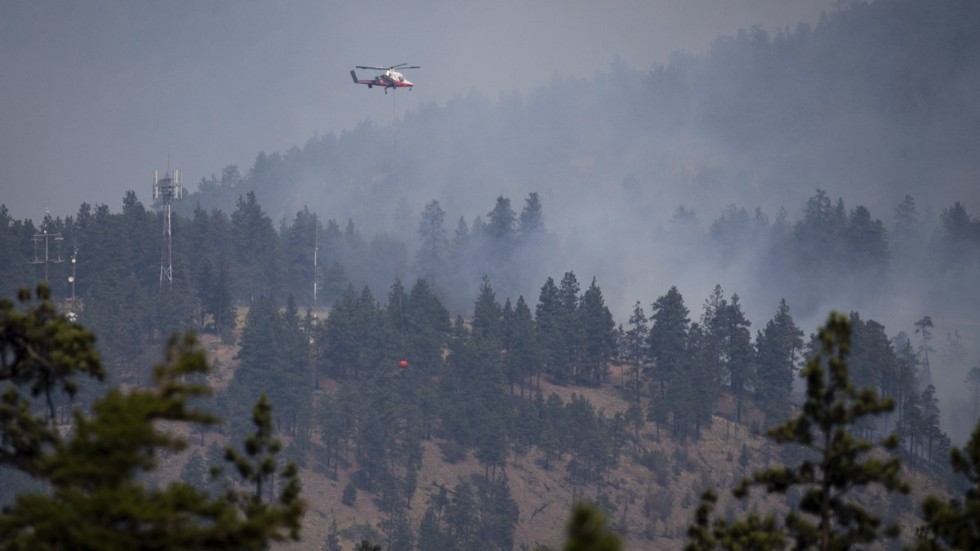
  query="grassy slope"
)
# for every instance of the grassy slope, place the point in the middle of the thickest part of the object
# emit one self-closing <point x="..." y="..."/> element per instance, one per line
<point x="652" y="508"/>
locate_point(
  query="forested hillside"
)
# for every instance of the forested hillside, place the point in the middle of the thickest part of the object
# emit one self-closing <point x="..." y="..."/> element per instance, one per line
<point x="605" y="290"/>
<point x="872" y="104"/>
<point x="386" y="388"/>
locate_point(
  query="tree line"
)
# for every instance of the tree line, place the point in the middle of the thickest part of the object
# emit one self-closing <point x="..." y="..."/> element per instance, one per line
<point x="473" y="385"/>
<point x="97" y="497"/>
<point x="223" y="260"/>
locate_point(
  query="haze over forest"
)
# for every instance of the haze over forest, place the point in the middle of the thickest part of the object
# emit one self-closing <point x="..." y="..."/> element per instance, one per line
<point x="821" y="153"/>
<point x="634" y="165"/>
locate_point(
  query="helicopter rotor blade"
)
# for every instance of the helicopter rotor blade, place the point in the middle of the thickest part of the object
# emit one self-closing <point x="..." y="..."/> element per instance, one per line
<point x="376" y="68"/>
<point x="400" y="66"/>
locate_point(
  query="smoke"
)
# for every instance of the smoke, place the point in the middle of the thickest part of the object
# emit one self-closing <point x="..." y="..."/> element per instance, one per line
<point x="638" y="124"/>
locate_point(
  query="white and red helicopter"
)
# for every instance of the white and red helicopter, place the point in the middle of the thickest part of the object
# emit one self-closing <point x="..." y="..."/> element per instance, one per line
<point x="389" y="79"/>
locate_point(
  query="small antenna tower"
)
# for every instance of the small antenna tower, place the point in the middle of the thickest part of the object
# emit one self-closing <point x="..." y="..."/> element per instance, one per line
<point x="165" y="191"/>
<point x="316" y="275"/>
<point x="71" y="278"/>
<point x="47" y="236"/>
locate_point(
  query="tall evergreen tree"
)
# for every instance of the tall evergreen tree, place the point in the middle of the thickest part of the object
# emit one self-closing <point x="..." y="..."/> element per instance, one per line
<point x="867" y="246"/>
<point x="954" y="523"/>
<point x="97" y="499"/>
<point x="599" y="333"/>
<point x="668" y="336"/>
<point x="777" y="348"/>
<point x="211" y="272"/>
<point x="923" y="328"/>
<point x="300" y="243"/>
<point x="501" y="229"/>
<point x="691" y="396"/>
<point x="826" y="518"/>
<point x="635" y="344"/>
<point x="433" y="252"/>
<point x="973" y="382"/>
<point x="252" y="231"/>
<point x="486" y="380"/>
<point x="548" y="320"/>
<point x="586" y="531"/>
<point x="731" y="346"/>
<point x="571" y="331"/>
<point x="428" y="326"/>
<point x="531" y="222"/>
<point x="523" y="354"/>
<point x="907" y="234"/>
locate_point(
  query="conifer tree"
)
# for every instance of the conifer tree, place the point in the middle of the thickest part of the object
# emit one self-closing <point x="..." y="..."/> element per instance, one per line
<point x="777" y="347"/>
<point x="571" y="330"/>
<point x="973" y="381"/>
<point x="97" y="499"/>
<point x="635" y="344"/>
<point x="41" y="354"/>
<point x="668" y="336"/>
<point x="954" y="523"/>
<point x="598" y="332"/>
<point x="531" y="222"/>
<point x="827" y="518"/>
<point x="252" y="231"/>
<point x="730" y="330"/>
<point x="587" y="531"/>
<point x="547" y="319"/>
<point x="332" y="542"/>
<point x="433" y="253"/>
<point x="523" y="354"/>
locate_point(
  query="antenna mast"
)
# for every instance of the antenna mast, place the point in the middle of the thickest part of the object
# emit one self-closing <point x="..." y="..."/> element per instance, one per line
<point x="47" y="237"/>
<point x="165" y="191"/>
<point x="316" y="249"/>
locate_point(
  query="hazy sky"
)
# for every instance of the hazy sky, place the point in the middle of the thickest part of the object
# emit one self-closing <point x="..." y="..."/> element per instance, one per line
<point x="96" y="95"/>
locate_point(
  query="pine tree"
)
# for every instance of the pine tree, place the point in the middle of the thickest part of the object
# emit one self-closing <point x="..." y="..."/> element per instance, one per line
<point x="635" y="344"/>
<point x="586" y="531"/>
<point x="531" y="222"/>
<point x="955" y="523"/>
<point x="730" y="330"/>
<point x="299" y="242"/>
<point x="973" y="381"/>
<point x="97" y="499"/>
<point x="826" y="518"/>
<point x="252" y="231"/>
<point x="501" y="228"/>
<point x="332" y="543"/>
<point x="598" y="332"/>
<point x="923" y="327"/>
<point x="571" y="331"/>
<point x="428" y="326"/>
<point x="777" y="347"/>
<point x="668" y="336"/>
<point x="523" y="354"/>
<point x="433" y="251"/>
<point x="258" y="466"/>
<point x="41" y="355"/>
<point x="547" y="319"/>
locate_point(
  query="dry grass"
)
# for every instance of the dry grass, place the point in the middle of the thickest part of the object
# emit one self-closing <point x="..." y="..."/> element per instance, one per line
<point x="652" y="507"/>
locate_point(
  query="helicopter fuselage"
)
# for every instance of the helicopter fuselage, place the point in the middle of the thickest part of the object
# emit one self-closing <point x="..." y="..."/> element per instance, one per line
<point x="389" y="79"/>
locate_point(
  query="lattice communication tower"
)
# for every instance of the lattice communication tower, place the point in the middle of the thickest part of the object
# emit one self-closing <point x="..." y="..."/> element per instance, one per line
<point x="46" y="237"/>
<point x="165" y="191"/>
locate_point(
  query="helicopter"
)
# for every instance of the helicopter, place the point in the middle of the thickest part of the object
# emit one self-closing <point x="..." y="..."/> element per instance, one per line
<point x="389" y="79"/>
